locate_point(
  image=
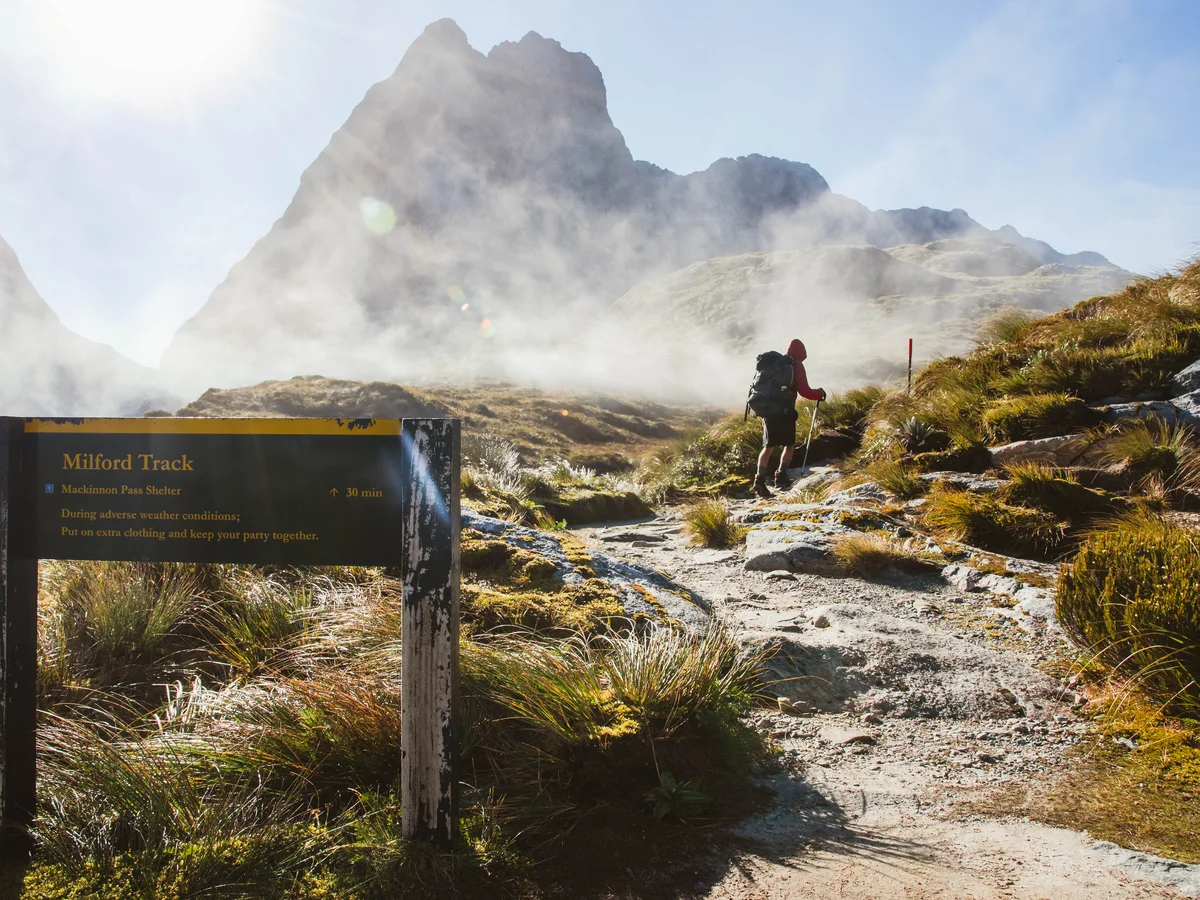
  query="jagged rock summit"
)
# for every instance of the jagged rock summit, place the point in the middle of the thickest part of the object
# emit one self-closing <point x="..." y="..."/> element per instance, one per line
<point x="477" y="211"/>
<point x="47" y="369"/>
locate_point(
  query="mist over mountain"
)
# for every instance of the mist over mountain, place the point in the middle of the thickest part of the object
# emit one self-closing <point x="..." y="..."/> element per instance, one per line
<point x="480" y="214"/>
<point x="47" y="369"/>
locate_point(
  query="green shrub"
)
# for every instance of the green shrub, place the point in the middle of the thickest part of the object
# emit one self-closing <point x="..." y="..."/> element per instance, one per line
<point x="710" y="524"/>
<point x="1037" y="415"/>
<point x="1132" y="595"/>
<point x="975" y="459"/>
<point x="988" y="522"/>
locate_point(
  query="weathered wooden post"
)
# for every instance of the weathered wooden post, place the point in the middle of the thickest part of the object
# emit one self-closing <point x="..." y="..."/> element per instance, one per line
<point x="429" y="631"/>
<point x="18" y="642"/>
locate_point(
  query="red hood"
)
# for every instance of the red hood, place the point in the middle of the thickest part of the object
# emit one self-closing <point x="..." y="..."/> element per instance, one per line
<point x="796" y="351"/>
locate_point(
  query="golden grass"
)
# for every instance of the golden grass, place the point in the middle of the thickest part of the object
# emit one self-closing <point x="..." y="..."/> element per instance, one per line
<point x="710" y="523"/>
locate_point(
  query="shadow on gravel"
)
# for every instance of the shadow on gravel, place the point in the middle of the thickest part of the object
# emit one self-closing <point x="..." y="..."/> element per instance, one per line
<point x="803" y="819"/>
<point x="650" y="861"/>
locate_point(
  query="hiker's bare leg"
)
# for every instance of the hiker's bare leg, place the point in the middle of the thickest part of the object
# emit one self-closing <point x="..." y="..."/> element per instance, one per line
<point x="764" y="458"/>
<point x="784" y="460"/>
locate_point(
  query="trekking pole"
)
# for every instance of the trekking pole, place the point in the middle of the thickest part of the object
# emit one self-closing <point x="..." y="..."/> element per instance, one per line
<point x="811" y="426"/>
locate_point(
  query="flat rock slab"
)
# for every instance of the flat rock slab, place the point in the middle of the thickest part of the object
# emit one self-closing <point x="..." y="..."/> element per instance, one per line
<point x="867" y="660"/>
<point x="833" y="734"/>
<point x="629" y="535"/>
<point x="976" y="483"/>
<point x="711" y="557"/>
<point x="790" y="550"/>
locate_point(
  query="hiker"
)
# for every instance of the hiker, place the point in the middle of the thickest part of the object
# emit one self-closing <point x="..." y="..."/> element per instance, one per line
<point x="779" y="426"/>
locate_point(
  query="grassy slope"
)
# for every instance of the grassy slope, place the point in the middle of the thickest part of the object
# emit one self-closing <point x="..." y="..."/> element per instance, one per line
<point x="270" y="768"/>
<point x="590" y="429"/>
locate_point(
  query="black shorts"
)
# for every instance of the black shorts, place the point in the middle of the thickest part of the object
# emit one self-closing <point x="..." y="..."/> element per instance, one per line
<point x="780" y="431"/>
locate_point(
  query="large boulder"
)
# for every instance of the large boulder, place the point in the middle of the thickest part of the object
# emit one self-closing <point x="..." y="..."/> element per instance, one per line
<point x="1186" y="381"/>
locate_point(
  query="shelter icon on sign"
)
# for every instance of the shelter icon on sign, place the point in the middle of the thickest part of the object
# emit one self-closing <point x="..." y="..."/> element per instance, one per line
<point x="49" y="489"/>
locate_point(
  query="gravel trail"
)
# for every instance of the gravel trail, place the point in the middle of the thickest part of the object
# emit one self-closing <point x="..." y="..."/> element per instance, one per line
<point x="900" y="702"/>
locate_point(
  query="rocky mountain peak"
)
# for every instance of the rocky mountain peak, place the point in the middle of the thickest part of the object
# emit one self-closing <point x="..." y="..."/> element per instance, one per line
<point x="500" y="182"/>
<point x="541" y="65"/>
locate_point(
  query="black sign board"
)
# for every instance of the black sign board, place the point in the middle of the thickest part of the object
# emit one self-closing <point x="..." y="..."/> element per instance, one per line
<point x="292" y="491"/>
<point x="302" y="491"/>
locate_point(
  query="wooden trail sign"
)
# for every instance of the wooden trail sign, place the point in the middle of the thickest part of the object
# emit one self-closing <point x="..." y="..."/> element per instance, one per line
<point x="292" y="491"/>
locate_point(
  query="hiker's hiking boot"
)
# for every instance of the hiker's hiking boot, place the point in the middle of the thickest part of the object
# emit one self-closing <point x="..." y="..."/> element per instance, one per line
<point x="760" y="487"/>
<point x="782" y="482"/>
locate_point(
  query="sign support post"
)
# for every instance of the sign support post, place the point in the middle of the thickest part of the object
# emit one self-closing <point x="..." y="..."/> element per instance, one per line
<point x="429" y="632"/>
<point x="18" y="645"/>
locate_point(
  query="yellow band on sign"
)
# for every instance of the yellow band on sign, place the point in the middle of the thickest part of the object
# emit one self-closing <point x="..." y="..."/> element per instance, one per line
<point x="199" y="425"/>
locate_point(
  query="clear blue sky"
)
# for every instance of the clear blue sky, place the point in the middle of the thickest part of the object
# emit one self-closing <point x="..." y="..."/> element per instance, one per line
<point x="131" y="181"/>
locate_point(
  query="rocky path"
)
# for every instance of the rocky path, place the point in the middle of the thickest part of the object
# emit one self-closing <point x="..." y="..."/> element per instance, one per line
<point x="900" y="702"/>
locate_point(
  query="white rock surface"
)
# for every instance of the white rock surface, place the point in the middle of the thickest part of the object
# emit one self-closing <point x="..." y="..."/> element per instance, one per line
<point x="1062" y="450"/>
<point x="1187" y="380"/>
<point x="790" y="549"/>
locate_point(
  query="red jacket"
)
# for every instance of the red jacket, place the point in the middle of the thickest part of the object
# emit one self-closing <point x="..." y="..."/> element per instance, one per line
<point x="799" y="377"/>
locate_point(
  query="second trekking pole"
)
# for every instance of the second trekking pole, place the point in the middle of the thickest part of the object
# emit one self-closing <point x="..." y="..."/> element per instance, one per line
<point x="811" y="426"/>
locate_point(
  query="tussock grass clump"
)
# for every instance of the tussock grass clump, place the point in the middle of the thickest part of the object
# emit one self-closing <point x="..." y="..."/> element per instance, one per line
<point x="989" y="522"/>
<point x="278" y="787"/>
<point x="1022" y="417"/>
<point x="112" y="623"/>
<point x="710" y="524"/>
<point x="1004" y="326"/>
<point x="895" y="478"/>
<point x="1156" y="451"/>
<point x="851" y="409"/>
<point x="1132" y="595"/>
<point x="1056" y="491"/>
<point x="873" y="555"/>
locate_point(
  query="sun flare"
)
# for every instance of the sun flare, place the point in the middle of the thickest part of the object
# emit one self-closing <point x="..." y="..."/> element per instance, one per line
<point x="140" y="48"/>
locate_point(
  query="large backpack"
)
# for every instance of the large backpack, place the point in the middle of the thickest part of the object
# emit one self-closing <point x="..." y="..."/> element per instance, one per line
<point x="769" y="394"/>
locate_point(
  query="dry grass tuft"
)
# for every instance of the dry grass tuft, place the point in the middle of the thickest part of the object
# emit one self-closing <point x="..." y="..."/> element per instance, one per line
<point x="710" y="524"/>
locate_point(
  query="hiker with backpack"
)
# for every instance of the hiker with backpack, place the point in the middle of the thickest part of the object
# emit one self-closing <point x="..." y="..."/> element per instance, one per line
<point x="778" y="379"/>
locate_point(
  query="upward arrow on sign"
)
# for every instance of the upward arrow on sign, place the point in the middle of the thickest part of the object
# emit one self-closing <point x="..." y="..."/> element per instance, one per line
<point x="333" y="492"/>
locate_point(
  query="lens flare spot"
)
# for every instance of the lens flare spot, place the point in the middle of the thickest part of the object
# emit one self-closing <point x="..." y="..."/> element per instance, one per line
<point x="566" y="412"/>
<point x="456" y="295"/>
<point x="486" y="324"/>
<point x="378" y="215"/>
<point x="465" y="307"/>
